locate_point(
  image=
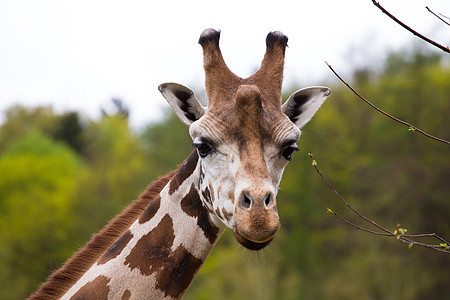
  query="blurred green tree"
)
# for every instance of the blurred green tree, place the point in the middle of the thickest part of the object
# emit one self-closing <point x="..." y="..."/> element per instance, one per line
<point x="118" y="170"/>
<point x="69" y="129"/>
<point x="167" y="143"/>
<point x="20" y="121"/>
<point x="37" y="180"/>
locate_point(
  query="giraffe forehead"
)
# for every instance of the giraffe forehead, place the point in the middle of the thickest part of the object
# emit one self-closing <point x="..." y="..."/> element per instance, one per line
<point x="242" y="126"/>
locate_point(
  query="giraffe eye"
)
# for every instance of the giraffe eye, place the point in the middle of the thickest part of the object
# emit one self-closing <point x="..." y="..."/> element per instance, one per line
<point x="203" y="149"/>
<point x="287" y="152"/>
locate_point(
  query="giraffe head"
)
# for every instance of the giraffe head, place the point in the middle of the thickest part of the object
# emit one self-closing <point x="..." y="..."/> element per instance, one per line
<point x="245" y="137"/>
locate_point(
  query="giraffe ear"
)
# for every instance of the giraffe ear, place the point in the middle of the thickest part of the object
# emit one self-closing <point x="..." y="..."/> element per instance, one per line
<point x="183" y="101"/>
<point x="302" y="105"/>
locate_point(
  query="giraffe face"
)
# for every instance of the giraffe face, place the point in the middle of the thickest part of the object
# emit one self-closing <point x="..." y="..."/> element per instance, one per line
<point x="244" y="138"/>
<point x="243" y="150"/>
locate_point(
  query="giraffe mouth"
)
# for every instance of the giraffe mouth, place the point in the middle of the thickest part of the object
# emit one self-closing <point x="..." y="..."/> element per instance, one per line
<point x="251" y="245"/>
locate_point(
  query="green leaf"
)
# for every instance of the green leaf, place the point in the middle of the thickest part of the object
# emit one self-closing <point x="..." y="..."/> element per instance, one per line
<point x="399" y="231"/>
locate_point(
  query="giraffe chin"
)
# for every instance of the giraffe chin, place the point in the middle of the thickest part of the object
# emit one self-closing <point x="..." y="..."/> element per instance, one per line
<point x="251" y="245"/>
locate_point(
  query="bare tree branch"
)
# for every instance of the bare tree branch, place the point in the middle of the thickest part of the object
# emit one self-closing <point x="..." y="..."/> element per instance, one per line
<point x="399" y="232"/>
<point x="443" y="48"/>
<point x="314" y="163"/>
<point x="411" y="127"/>
<point x="437" y="16"/>
<point x="356" y="226"/>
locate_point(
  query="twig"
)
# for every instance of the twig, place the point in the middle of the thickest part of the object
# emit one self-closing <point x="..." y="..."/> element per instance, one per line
<point x="314" y="163"/>
<point x="411" y="127"/>
<point x="356" y="226"/>
<point x="399" y="233"/>
<point x="437" y="16"/>
<point x="433" y="235"/>
<point x="443" y="48"/>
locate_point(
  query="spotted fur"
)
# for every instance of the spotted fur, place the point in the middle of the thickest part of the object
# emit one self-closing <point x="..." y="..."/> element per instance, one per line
<point x="95" y="290"/>
<point x="193" y="206"/>
<point x="116" y="248"/>
<point x="61" y="280"/>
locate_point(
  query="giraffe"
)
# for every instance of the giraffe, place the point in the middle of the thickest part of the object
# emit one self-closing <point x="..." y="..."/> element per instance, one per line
<point x="242" y="142"/>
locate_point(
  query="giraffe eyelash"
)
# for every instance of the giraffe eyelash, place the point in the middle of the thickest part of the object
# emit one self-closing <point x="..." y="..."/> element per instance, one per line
<point x="203" y="149"/>
<point x="288" y="151"/>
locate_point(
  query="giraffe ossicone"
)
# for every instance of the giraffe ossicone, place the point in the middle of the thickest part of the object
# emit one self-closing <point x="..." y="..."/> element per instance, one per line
<point x="242" y="142"/>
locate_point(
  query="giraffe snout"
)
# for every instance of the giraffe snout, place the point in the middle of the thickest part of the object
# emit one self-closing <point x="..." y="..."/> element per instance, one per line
<point x="256" y="219"/>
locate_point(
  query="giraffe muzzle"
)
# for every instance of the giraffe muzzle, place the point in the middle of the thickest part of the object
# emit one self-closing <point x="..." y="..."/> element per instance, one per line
<point x="256" y="220"/>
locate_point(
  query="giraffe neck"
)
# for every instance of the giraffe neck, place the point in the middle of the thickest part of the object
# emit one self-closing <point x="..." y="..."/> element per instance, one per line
<point x="158" y="256"/>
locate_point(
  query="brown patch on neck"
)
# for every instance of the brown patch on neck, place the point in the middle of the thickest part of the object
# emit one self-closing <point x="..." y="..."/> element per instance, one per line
<point x="152" y="254"/>
<point x="193" y="206"/>
<point x="151" y="210"/>
<point x="177" y="276"/>
<point x="126" y="295"/>
<point x="184" y="172"/>
<point x="95" y="290"/>
<point x="61" y="280"/>
<point x="152" y="250"/>
<point x="115" y="249"/>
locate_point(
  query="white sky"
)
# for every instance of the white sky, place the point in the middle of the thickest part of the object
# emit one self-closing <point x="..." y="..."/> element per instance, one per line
<point x="77" y="55"/>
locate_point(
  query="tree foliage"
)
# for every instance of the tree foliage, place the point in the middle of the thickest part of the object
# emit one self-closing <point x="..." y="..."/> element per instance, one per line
<point x="37" y="180"/>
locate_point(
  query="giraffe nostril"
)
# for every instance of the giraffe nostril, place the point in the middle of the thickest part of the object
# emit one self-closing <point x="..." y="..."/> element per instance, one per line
<point x="268" y="200"/>
<point x="245" y="201"/>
